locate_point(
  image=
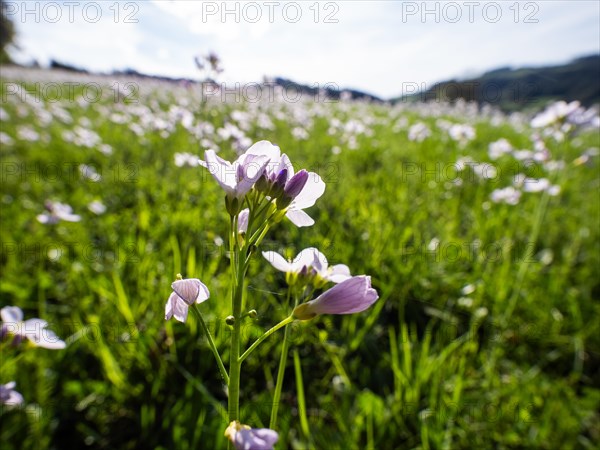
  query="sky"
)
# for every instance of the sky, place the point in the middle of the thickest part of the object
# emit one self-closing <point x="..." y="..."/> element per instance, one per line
<point x="386" y="48"/>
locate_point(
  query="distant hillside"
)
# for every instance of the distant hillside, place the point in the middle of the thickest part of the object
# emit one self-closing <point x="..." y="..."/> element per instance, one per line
<point x="515" y="89"/>
<point x="330" y="91"/>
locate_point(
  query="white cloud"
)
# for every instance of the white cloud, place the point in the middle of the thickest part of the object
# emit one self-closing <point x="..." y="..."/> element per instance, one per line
<point x="369" y="48"/>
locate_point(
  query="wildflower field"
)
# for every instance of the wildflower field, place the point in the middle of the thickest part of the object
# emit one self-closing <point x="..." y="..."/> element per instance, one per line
<point x="479" y="230"/>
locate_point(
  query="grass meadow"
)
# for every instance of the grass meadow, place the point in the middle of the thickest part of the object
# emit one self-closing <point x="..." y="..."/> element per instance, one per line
<point x="480" y="233"/>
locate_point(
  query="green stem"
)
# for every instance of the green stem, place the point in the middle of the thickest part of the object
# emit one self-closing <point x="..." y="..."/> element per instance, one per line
<point x="281" y="371"/>
<point x="212" y="345"/>
<point x="234" y="357"/>
<point x="256" y="343"/>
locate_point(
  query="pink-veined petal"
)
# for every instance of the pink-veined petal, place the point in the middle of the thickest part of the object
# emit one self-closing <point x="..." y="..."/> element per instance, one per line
<point x="350" y="296"/>
<point x="278" y="261"/>
<point x="299" y="218"/>
<point x="188" y="289"/>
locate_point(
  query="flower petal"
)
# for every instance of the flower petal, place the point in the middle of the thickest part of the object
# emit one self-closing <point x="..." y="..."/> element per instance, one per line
<point x="310" y="257"/>
<point x="285" y="163"/>
<point x="313" y="189"/>
<point x="243" y="220"/>
<point x="256" y="439"/>
<point x="35" y="330"/>
<point x="223" y="171"/>
<point x="187" y="289"/>
<point x="11" y="314"/>
<point x="203" y="293"/>
<point x="278" y="261"/>
<point x="264" y="148"/>
<point x="252" y="168"/>
<point x="339" y="273"/>
<point x="299" y="218"/>
<point x="177" y="308"/>
<point x="350" y="296"/>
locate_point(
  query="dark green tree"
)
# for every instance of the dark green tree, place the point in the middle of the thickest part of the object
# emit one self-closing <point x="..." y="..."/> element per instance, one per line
<point x="7" y="34"/>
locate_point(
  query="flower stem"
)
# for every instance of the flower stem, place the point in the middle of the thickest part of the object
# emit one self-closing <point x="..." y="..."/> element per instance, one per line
<point x="238" y="268"/>
<point x="212" y="345"/>
<point x="256" y="343"/>
<point x="281" y="371"/>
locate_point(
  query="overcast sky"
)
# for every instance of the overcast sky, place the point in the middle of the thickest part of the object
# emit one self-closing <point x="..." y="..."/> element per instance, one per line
<point x="382" y="47"/>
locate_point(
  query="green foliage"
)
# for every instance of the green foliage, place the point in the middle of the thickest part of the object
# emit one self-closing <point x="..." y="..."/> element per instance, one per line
<point x="509" y="362"/>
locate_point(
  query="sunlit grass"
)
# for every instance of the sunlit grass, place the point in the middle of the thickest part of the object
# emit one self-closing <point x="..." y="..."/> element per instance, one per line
<point x="485" y="334"/>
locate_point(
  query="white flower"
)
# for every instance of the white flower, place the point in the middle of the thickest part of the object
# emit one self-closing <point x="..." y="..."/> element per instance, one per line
<point x="307" y="260"/>
<point x="186" y="159"/>
<point x="535" y="185"/>
<point x="185" y="294"/>
<point x="462" y="133"/>
<point x="312" y="189"/>
<point x="554" y="113"/>
<point x="33" y="329"/>
<point x="97" y="207"/>
<point x="236" y="178"/>
<point x="8" y="395"/>
<point x="56" y="212"/>
<point x="89" y="173"/>
<point x="508" y="195"/>
<point x="499" y="148"/>
<point x="418" y="132"/>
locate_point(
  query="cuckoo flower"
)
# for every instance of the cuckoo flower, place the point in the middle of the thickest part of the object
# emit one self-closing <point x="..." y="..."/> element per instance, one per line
<point x="245" y="438"/>
<point x="56" y="211"/>
<point x="309" y="258"/>
<point x="350" y="296"/>
<point x="33" y="329"/>
<point x="236" y="178"/>
<point x="185" y="294"/>
<point x="294" y="192"/>
<point x="8" y="395"/>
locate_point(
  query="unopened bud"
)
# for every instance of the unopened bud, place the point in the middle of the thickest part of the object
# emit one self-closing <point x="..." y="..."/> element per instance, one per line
<point x="279" y="184"/>
<point x="230" y="320"/>
<point x="296" y="184"/>
<point x="252" y="314"/>
<point x="262" y="185"/>
<point x="232" y="205"/>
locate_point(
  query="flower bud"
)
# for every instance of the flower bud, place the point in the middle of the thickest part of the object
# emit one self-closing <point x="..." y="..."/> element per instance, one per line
<point x="295" y="185"/>
<point x="279" y="184"/>
<point x="232" y="205"/>
<point x="230" y="320"/>
<point x="262" y="185"/>
<point x="252" y="314"/>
